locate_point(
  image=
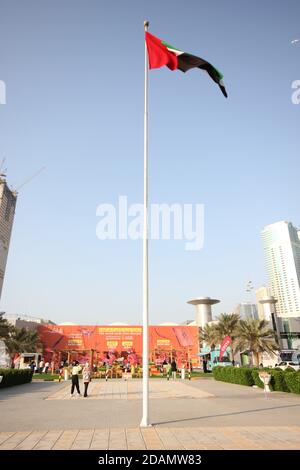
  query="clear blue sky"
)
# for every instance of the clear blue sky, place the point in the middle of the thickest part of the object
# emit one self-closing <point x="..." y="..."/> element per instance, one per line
<point x="74" y="76"/>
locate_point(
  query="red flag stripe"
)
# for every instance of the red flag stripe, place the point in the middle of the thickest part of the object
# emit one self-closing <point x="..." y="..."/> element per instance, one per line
<point x="158" y="54"/>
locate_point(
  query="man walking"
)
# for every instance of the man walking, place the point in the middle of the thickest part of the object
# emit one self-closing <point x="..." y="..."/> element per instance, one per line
<point x="174" y="369"/>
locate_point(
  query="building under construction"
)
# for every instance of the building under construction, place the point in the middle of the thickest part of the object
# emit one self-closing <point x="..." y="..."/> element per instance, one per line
<point x="8" y="199"/>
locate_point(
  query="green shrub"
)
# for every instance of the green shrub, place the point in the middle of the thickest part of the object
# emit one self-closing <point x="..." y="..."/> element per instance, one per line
<point x="236" y="375"/>
<point x="293" y="381"/>
<point x="15" y="377"/>
<point x="256" y="378"/>
<point x="278" y="380"/>
<point x="281" y="380"/>
<point x="218" y="373"/>
<point x="245" y="376"/>
<point x="289" y="369"/>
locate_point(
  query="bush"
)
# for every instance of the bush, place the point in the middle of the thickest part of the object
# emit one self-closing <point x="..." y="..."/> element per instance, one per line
<point x="236" y="375"/>
<point x="278" y="381"/>
<point x="256" y="378"/>
<point x="289" y="369"/>
<point x="293" y="381"/>
<point x="15" y="377"/>
<point x="281" y="380"/>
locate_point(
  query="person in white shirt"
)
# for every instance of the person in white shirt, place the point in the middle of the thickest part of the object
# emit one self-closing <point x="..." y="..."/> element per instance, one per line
<point x="76" y="369"/>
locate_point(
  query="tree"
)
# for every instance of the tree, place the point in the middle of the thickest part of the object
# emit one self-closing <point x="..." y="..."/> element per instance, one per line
<point x="227" y="326"/>
<point x="5" y="328"/>
<point x="208" y="335"/>
<point x="256" y="336"/>
<point x="21" y="340"/>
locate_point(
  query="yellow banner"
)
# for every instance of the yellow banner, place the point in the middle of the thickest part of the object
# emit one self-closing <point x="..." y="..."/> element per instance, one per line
<point x="120" y="329"/>
<point x="112" y="344"/>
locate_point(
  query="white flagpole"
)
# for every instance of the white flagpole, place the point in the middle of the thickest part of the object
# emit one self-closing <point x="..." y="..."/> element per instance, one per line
<point x="145" y="418"/>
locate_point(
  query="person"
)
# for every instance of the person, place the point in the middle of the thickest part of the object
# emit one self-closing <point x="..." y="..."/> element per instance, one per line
<point x="107" y="366"/>
<point x="174" y="369"/>
<point x="126" y="370"/>
<point x="76" y="369"/>
<point x="32" y="366"/>
<point x="204" y="365"/>
<point x="86" y="375"/>
<point x="41" y="366"/>
<point x="168" y="370"/>
<point x="61" y="374"/>
<point x="46" y="367"/>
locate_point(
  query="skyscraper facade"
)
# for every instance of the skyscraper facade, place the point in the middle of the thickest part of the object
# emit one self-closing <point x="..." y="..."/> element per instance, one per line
<point x="260" y="294"/>
<point x="281" y="242"/>
<point x="8" y="201"/>
<point x="247" y="311"/>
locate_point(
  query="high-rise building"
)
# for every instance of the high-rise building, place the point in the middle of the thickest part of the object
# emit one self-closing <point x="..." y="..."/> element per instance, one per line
<point x="247" y="311"/>
<point x="8" y="201"/>
<point x="282" y="255"/>
<point x="281" y="242"/>
<point x="261" y="293"/>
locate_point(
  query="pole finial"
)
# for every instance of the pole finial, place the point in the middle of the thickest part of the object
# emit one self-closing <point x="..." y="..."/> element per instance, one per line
<point x="146" y="24"/>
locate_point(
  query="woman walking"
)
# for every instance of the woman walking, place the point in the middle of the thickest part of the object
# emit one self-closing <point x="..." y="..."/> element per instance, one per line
<point x="86" y="374"/>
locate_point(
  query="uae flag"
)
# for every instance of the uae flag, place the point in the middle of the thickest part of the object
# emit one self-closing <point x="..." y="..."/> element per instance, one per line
<point x="161" y="53"/>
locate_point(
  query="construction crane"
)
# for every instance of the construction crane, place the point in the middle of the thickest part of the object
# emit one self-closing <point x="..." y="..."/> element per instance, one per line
<point x="2" y="173"/>
<point x="30" y="178"/>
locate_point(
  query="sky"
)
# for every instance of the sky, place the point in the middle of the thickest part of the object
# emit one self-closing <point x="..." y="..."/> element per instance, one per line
<point x="74" y="75"/>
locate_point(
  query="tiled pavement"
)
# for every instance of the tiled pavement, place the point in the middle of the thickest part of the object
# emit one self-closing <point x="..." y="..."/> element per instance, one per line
<point x="187" y="438"/>
<point x="185" y="415"/>
<point x="132" y="390"/>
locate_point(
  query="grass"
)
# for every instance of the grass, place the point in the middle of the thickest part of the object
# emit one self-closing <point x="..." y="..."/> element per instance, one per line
<point x="45" y="376"/>
<point x="194" y="375"/>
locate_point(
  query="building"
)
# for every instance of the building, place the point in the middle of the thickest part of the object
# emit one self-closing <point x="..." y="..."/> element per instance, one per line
<point x="26" y="321"/>
<point x="8" y="201"/>
<point x="260" y="294"/>
<point x="247" y="310"/>
<point x="281" y="242"/>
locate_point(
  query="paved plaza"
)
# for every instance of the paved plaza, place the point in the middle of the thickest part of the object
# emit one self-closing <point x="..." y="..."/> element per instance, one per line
<point x="200" y="414"/>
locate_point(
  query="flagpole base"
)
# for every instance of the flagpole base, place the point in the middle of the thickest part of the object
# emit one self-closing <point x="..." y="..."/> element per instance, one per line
<point x="145" y="423"/>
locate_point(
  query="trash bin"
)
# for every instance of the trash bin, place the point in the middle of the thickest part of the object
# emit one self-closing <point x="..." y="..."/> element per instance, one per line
<point x="183" y="373"/>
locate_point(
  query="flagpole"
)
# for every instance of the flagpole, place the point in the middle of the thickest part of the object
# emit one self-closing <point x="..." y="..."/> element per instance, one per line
<point x="145" y="418"/>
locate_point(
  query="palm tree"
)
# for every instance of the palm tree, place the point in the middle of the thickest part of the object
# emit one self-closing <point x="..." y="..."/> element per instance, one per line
<point x="256" y="336"/>
<point x="227" y="326"/>
<point x="21" y="340"/>
<point x="208" y="335"/>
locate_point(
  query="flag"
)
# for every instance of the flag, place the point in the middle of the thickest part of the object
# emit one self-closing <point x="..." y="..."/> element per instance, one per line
<point x="225" y="343"/>
<point x="161" y="53"/>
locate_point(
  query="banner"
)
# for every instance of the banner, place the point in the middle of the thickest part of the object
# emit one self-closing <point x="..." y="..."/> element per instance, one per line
<point x="225" y="343"/>
<point x="164" y="341"/>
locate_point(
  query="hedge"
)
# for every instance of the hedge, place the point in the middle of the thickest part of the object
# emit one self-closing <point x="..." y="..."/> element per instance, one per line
<point x="15" y="377"/>
<point x="281" y="380"/>
<point x="293" y="381"/>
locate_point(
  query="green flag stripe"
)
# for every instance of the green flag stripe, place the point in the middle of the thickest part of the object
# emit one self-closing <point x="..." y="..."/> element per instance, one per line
<point x="173" y="48"/>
